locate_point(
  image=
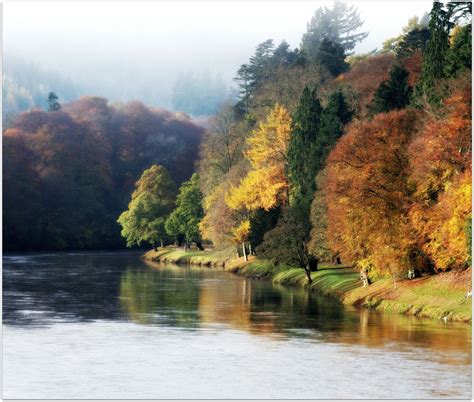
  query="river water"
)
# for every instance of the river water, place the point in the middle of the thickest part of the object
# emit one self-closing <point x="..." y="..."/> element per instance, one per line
<point x="107" y="325"/>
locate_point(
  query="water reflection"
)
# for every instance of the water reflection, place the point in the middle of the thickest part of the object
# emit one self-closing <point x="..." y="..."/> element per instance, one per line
<point x="200" y="297"/>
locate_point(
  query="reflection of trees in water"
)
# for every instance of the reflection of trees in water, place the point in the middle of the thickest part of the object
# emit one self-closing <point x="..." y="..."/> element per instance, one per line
<point x="155" y="296"/>
<point x="186" y="297"/>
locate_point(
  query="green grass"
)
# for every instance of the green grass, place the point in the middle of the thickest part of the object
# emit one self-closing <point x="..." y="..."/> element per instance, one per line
<point x="440" y="296"/>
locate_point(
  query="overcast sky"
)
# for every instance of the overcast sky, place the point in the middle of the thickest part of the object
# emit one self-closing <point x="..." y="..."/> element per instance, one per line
<point x="150" y="43"/>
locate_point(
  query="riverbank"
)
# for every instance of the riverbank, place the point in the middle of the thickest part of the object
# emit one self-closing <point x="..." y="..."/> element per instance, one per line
<point x="441" y="296"/>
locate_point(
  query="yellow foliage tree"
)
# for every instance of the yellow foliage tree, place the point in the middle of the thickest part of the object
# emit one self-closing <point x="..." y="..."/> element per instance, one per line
<point x="266" y="185"/>
<point x="241" y="234"/>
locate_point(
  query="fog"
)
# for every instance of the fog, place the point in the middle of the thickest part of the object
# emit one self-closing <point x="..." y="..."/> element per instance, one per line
<point x="138" y="50"/>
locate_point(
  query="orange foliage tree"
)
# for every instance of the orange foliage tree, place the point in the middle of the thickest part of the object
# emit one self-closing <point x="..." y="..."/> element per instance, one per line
<point x="367" y="193"/>
<point x="440" y="162"/>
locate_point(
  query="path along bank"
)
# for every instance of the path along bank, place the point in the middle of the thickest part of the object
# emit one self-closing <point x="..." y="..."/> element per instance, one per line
<point x="441" y="296"/>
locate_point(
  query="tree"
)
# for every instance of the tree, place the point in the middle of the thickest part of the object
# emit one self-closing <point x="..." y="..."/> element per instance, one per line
<point x="440" y="174"/>
<point x="331" y="56"/>
<point x="339" y="25"/>
<point x="188" y="213"/>
<point x="333" y="119"/>
<point x="241" y="234"/>
<point x="303" y="155"/>
<point x="413" y="38"/>
<point x="368" y="196"/>
<point x="434" y="59"/>
<point x="393" y="93"/>
<point x="287" y="242"/>
<point x="152" y="201"/>
<point x="414" y="41"/>
<point x="459" y="57"/>
<point x="266" y="184"/>
<point x="53" y="104"/>
<point x="318" y="244"/>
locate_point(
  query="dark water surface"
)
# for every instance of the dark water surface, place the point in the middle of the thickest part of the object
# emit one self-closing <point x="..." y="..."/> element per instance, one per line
<point x="107" y="325"/>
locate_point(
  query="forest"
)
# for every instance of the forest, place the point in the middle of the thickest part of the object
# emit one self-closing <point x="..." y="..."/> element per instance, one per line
<point x="326" y="155"/>
<point x="68" y="172"/>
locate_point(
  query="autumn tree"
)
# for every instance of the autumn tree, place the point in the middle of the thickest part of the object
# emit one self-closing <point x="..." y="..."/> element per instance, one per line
<point x="440" y="172"/>
<point x="367" y="195"/>
<point x="266" y="184"/>
<point x="185" y="218"/>
<point x="152" y="202"/>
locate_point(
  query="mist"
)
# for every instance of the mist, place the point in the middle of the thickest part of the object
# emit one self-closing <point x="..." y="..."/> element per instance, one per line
<point x="141" y="51"/>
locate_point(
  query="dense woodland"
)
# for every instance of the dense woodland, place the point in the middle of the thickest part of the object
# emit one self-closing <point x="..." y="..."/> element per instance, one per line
<point x="68" y="172"/>
<point x="326" y="155"/>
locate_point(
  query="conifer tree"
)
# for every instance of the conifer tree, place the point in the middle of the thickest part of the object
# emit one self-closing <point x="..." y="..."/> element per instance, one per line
<point x="434" y="58"/>
<point x="331" y="56"/>
<point x="393" y="93"/>
<point x="53" y="104"/>
<point x="303" y="156"/>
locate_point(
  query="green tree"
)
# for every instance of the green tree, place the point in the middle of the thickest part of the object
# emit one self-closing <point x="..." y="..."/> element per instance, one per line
<point x="287" y="242"/>
<point x="434" y="58"/>
<point x="393" y="93"/>
<point x="53" y="104"/>
<point x="339" y="24"/>
<point x="302" y="149"/>
<point x="152" y="201"/>
<point x="188" y="213"/>
<point x="414" y="41"/>
<point x="331" y="56"/>
<point x="459" y="56"/>
<point x="336" y="114"/>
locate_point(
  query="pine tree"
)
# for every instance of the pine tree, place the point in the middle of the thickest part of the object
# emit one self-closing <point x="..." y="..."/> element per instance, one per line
<point x="53" y="104"/>
<point x="393" y="93"/>
<point x="336" y="114"/>
<point x="302" y="149"/>
<point x="331" y="56"/>
<point x="434" y="59"/>
<point x="339" y="24"/>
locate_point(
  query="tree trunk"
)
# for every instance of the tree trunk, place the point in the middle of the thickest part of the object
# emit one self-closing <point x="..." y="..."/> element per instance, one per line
<point x="161" y="241"/>
<point x="308" y="275"/>
<point x="250" y="249"/>
<point x="244" y="251"/>
<point x="199" y="245"/>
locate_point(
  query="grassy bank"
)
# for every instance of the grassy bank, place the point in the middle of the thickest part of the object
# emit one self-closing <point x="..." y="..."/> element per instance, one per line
<point x="441" y="296"/>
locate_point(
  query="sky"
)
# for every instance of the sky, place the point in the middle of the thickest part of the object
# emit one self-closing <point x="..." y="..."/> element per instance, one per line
<point x="149" y="44"/>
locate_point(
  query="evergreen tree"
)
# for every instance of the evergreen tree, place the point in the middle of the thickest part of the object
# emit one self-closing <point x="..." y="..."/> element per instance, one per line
<point x="336" y="114"/>
<point x="393" y="93"/>
<point x="302" y="149"/>
<point x="414" y="41"/>
<point x="331" y="56"/>
<point x="53" y="104"/>
<point x="339" y="24"/>
<point x="459" y="55"/>
<point x="434" y="58"/>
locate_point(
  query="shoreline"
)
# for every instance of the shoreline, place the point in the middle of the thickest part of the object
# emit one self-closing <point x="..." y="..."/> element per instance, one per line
<point x="441" y="296"/>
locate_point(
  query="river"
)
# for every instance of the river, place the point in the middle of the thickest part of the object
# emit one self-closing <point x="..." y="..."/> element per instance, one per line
<point x="108" y="325"/>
